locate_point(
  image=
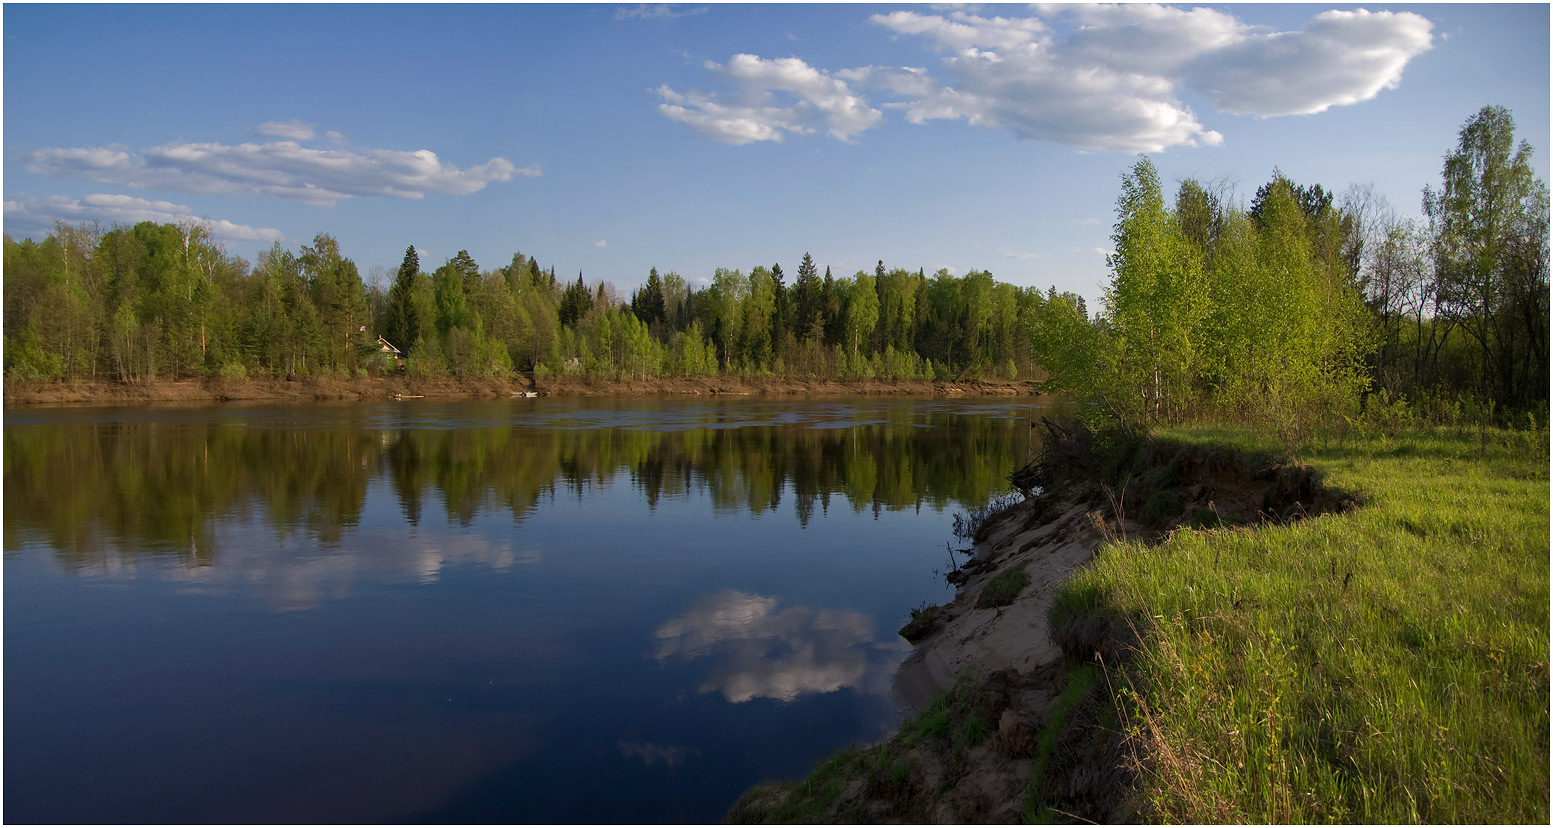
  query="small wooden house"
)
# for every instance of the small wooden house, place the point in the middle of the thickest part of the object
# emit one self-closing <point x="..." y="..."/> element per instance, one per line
<point x="392" y="357"/>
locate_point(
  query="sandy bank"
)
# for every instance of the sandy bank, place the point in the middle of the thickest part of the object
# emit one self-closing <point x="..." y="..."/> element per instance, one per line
<point x="1013" y="719"/>
<point x="1016" y="637"/>
<point x="387" y="388"/>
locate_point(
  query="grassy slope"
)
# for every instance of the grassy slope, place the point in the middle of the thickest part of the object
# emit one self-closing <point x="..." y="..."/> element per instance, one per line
<point x="1385" y="665"/>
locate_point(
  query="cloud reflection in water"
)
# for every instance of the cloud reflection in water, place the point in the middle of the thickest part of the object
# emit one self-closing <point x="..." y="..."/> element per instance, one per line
<point x="292" y="579"/>
<point x="767" y="651"/>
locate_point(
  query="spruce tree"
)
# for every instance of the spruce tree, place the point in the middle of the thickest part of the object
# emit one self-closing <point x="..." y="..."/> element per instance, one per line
<point x="781" y="313"/>
<point x="647" y="304"/>
<point x="401" y="322"/>
<point x="810" y="300"/>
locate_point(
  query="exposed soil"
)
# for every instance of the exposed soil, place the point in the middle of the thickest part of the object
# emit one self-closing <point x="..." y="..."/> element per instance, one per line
<point x="1012" y="665"/>
<point x="387" y="388"/>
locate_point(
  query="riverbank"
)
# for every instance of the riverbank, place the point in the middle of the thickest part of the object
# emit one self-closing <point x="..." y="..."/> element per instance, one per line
<point x="88" y="392"/>
<point x="1204" y="633"/>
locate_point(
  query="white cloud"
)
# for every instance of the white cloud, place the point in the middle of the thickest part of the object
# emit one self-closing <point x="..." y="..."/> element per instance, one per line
<point x="601" y="244"/>
<point x="1340" y="58"/>
<point x="279" y="169"/>
<point x="649" y="11"/>
<point x="1148" y="40"/>
<point x="27" y="214"/>
<point x="1009" y="74"/>
<point x="964" y="30"/>
<point x="292" y="130"/>
<point x="1087" y="221"/>
<point x="1016" y="254"/>
<point x="336" y="137"/>
<point x="820" y="101"/>
<point x="1108" y="78"/>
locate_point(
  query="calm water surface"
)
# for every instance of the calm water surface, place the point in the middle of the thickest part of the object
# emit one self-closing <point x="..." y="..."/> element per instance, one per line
<point x="511" y="611"/>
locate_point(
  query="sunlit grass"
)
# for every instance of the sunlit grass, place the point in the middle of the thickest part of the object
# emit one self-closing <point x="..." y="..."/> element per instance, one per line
<point x="1385" y="665"/>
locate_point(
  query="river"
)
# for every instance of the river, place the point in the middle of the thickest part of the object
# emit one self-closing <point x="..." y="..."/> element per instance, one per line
<point x="526" y="610"/>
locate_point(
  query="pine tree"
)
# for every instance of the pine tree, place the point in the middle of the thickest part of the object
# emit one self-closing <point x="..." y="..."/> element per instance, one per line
<point x="468" y="269"/>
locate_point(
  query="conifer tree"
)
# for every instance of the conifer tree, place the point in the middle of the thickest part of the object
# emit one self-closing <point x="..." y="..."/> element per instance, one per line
<point x="401" y="322"/>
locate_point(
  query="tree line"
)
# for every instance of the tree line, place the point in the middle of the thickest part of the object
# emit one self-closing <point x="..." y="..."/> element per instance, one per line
<point x="1297" y="306"/>
<point x="1302" y="307"/>
<point x="149" y="301"/>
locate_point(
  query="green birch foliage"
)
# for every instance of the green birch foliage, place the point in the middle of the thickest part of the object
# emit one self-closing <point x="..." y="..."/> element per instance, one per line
<point x="862" y="312"/>
<point x="1154" y="307"/>
<point x="1064" y="344"/>
<point x="1490" y="256"/>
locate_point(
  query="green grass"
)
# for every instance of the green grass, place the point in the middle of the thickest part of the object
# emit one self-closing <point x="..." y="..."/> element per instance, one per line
<point x="924" y="620"/>
<point x="949" y="727"/>
<point x="1385" y="665"/>
<point x="1004" y="588"/>
<point x="1080" y="681"/>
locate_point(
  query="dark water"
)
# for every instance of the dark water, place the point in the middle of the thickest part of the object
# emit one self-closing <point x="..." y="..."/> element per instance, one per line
<point x="512" y="611"/>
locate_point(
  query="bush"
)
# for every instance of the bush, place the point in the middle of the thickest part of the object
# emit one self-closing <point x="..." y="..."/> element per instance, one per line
<point x="924" y="620"/>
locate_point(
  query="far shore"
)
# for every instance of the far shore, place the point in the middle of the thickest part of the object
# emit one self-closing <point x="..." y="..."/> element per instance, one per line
<point x="102" y="392"/>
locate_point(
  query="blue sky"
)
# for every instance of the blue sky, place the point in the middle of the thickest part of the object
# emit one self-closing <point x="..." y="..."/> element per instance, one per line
<point x="613" y="138"/>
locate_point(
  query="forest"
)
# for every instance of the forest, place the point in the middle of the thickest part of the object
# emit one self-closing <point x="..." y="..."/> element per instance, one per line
<point x="162" y="301"/>
<point x="1301" y="304"/>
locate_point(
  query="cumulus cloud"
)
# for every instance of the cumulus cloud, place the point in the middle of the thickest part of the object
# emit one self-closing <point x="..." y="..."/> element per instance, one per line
<point x="817" y="100"/>
<point x="1096" y="78"/>
<point x="649" y="11"/>
<point x="964" y="30"/>
<point x="1110" y="78"/>
<point x="278" y="169"/>
<point x="292" y="130"/>
<point x="27" y="214"/>
<point x="1340" y="58"/>
<point x="601" y="243"/>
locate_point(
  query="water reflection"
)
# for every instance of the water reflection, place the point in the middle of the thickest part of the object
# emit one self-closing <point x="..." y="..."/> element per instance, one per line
<point x="105" y="495"/>
<point x="671" y="756"/>
<point x="765" y="651"/>
<point x="290" y="578"/>
<point x="586" y="612"/>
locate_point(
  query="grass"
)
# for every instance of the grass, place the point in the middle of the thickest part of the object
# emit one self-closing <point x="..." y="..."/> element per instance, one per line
<point x="924" y="620"/>
<point x="948" y="728"/>
<point x="973" y="523"/>
<point x="1004" y="588"/>
<point x="1081" y="681"/>
<point x="1385" y="665"/>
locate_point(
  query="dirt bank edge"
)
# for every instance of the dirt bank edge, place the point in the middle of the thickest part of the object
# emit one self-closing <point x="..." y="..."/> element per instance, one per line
<point x="1014" y="721"/>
